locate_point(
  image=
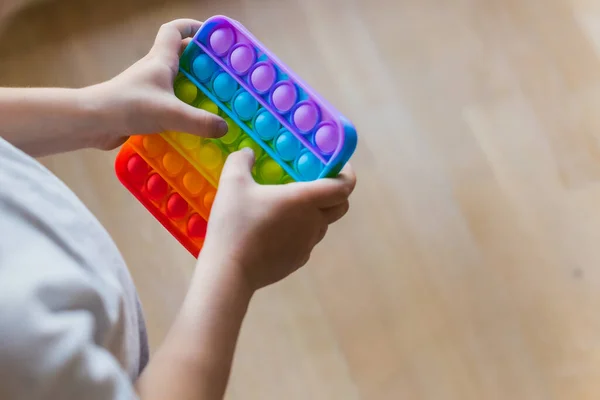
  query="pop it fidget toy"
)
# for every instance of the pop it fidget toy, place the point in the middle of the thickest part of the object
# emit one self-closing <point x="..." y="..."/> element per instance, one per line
<point x="295" y="134"/>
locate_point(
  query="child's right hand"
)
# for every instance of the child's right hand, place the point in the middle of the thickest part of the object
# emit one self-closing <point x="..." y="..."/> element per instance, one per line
<point x="263" y="233"/>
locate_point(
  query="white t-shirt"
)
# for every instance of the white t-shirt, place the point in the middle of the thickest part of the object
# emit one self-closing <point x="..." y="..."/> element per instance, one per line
<point x="71" y="325"/>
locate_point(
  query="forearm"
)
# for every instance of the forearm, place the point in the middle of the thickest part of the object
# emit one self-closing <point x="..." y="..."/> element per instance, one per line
<point x="195" y="360"/>
<point x="43" y="121"/>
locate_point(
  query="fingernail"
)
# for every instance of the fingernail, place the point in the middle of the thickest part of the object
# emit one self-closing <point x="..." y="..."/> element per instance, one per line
<point x="222" y="128"/>
<point x="248" y="151"/>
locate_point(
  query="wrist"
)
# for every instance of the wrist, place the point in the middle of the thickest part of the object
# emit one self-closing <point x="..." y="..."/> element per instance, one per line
<point x="106" y="115"/>
<point x="222" y="273"/>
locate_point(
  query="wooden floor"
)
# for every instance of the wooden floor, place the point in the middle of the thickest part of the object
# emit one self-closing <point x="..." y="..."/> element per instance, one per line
<point x="469" y="266"/>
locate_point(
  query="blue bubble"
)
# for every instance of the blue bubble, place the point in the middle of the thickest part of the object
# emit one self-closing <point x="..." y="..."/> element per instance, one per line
<point x="266" y="125"/>
<point x="203" y="67"/>
<point x="245" y="106"/>
<point x="287" y="145"/>
<point x="224" y="86"/>
<point x="309" y="166"/>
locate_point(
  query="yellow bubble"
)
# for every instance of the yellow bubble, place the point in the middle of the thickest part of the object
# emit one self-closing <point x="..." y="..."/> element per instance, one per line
<point x="188" y="141"/>
<point x="209" y="199"/>
<point x="186" y="91"/>
<point x="210" y="155"/>
<point x="233" y="133"/>
<point x="153" y="144"/>
<point x="173" y="163"/>
<point x="209" y="106"/>
<point x="270" y="171"/>
<point x="253" y="145"/>
<point x="193" y="182"/>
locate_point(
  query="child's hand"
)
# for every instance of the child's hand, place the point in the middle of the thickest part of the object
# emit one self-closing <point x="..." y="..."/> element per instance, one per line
<point x="141" y="99"/>
<point x="266" y="232"/>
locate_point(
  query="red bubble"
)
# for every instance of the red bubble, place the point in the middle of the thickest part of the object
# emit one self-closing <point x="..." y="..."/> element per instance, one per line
<point x="137" y="168"/>
<point x="177" y="207"/>
<point x="197" y="226"/>
<point x="157" y="187"/>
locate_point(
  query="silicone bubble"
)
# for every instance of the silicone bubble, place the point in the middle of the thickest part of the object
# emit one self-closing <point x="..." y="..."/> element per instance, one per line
<point x="177" y="207"/>
<point x="224" y="86"/>
<point x="284" y="96"/>
<point x="270" y="171"/>
<point x="173" y="163"/>
<point x="306" y="116"/>
<point x="196" y="226"/>
<point x="209" y="105"/>
<point x="287" y="145"/>
<point x="262" y="77"/>
<point x="232" y="134"/>
<point x="242" y="58"/>
<point x="137" y="168"/>
<point x="186" y="91"/>
<point x="253" y="145"/>
<point x="188" y="141"/>
<point x="203" y="67"/>
<point x="209" y="199"/>
<point x="308" y="166"/>
<point x="154" y="145"/>
<point x="221" y="40"/>
<point x="210" y="155"/>
<point x="327" y="138"/>
<point x="193" y="183"/>
<point x="266" y="125"/>
<point x="157" y="187"/>
<point x="245" y="106"/>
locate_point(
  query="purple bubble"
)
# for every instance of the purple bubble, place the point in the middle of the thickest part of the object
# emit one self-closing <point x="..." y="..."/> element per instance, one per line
<point x="306" y="116"/>
<point x="263" y="77"/>
<point x="327" y="138"/>
<point x="242" y="58"/>
<point x="221" y="40"/>
<point x="284" y="96"/>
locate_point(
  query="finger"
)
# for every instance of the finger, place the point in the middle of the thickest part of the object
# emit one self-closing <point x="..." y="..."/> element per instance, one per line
<point x="327" y="192"/>
<point x="169" y="37"/>
<point x="182" y="117"/>
<point x="334" y="214"/>
<point x="184" y="44"/>
<point x="238" y="167"/>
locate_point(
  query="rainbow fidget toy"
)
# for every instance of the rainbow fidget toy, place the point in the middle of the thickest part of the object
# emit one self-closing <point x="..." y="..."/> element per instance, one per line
<point x="295" y="134"/>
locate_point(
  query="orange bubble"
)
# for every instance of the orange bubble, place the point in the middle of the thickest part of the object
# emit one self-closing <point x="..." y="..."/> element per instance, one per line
<point x="173" y="163"/>
<point x="209" y="199"/>
<point x="193" y="182"/>
<point x="154" y="145"/>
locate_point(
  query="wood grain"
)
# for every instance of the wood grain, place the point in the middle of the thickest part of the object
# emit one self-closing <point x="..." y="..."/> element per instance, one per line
<point x="469" y="265"/>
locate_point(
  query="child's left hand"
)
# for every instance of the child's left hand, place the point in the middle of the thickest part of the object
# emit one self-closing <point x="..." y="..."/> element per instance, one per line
<point x="141" y="99"/>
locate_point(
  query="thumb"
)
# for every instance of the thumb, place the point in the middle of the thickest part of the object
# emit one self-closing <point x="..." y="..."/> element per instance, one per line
<point x="185" y="118"/>
<point x="238" y="167"/>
